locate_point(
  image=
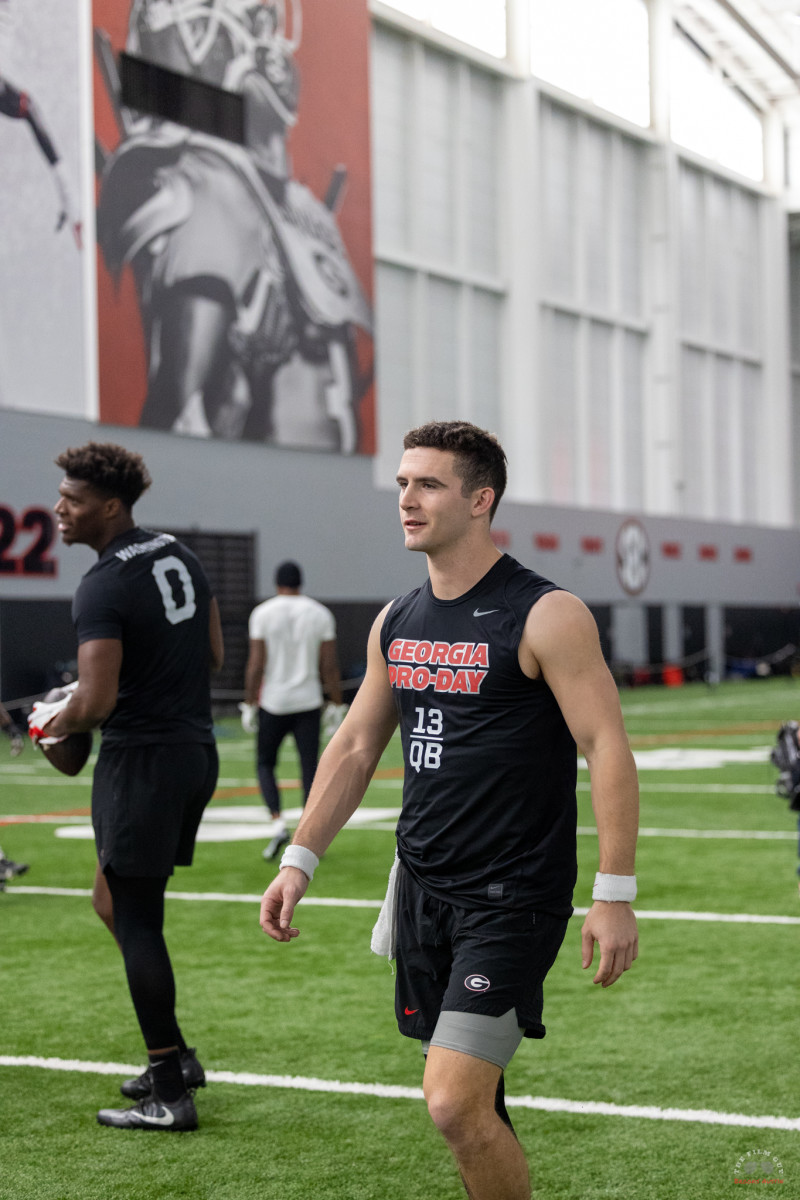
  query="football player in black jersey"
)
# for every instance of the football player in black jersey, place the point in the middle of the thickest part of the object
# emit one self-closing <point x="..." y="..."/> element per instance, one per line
<point x="494" y="674"/>
<point x="149" y="634"/>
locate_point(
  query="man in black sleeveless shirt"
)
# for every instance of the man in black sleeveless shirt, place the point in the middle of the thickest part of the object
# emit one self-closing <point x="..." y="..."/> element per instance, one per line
<point x="494" y="675"/>
<point x="149" y="634"/>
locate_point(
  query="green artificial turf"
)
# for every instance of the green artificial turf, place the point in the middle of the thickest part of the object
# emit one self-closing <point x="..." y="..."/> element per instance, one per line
<point x="706" y="1020"/>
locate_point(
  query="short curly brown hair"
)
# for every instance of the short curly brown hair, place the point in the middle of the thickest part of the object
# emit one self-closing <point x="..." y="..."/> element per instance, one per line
<point x="109" y="468"/>
<point x="480" y="460"/>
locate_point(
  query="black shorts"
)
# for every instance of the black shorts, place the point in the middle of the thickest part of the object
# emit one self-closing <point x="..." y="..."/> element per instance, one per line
<point x="147" y="802"/>
<point x="452" y="959"/>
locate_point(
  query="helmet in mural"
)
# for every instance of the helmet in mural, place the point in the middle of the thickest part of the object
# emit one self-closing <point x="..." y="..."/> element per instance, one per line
<point x="222" y="42"/>
<point x="276" y="41"/>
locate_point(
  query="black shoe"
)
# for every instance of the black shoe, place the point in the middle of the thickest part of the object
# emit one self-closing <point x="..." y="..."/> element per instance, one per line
<point x="142" y="1086"/>
<point x="9" y="869"/>
<point x="153" y="1113"/>
<point x="273" y="849"/>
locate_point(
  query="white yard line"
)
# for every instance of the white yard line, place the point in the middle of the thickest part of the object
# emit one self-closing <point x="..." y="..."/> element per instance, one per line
<point x="652" y="914"/>
<point x="43" y="781"/>
<point x="767" y="835"/>
<point x="648" y="1112"/>
<point x="260" y="828"/>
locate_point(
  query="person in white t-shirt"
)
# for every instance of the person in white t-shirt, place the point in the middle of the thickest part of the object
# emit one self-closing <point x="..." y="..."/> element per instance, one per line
<point x="292" y="665"/>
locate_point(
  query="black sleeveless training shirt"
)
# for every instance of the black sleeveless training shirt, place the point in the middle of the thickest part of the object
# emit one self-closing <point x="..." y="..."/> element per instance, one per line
<point x="489" y="812"/>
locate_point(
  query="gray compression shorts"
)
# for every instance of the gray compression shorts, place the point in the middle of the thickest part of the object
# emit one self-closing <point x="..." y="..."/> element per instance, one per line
<point x="494" y="1039"/>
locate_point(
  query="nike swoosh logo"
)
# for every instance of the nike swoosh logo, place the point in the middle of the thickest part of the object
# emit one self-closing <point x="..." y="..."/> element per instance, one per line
<point x="485" y="612"/>
<point x="410" y="1011"/>
<point x="167" y="1119"/>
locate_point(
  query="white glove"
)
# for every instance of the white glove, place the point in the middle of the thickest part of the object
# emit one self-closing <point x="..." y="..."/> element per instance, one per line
<point x="41" y="715"/>
<point x="249" y="717"/>
<point x="332" y="717"/>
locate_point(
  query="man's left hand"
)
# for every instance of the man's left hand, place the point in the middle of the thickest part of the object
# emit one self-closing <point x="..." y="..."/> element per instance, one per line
<point x="612" y="924"/>
<point x="249" y="717"/>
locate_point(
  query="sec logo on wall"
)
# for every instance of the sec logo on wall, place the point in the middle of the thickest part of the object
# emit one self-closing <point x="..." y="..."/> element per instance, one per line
<point x="633" y="556"/>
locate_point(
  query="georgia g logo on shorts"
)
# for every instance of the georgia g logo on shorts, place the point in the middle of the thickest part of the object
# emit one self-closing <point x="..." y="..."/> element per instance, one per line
<point x="477" y="983"/>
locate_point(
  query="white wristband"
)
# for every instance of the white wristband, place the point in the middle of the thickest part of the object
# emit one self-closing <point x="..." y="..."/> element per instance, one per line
<point x="299" y="856"/>
<point x="614" y="887"/>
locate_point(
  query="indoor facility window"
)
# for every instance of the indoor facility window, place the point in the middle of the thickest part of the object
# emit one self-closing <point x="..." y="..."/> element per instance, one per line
<point x="708" y="113"/>
<point x="481" y="25"/>
<point x="599" y="52"/>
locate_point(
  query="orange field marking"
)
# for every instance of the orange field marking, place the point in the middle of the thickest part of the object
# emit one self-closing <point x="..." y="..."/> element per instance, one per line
<point x="661" y="739"/>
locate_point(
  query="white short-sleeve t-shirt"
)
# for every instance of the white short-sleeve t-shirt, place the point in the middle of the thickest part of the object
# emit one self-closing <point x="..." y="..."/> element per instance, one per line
<point x="293" y="629"/>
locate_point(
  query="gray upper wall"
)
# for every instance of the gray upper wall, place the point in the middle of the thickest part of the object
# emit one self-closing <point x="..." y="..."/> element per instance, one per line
<point x="325" y="511"/>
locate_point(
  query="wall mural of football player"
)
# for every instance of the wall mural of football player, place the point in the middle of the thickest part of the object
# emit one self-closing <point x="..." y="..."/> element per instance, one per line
<point x="254" y="321"/>
<point x="19" y="105"/>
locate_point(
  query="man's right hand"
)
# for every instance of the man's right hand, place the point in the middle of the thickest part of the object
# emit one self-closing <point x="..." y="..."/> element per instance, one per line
<point x="42" y="714"/>
<point x="279" y="901"/>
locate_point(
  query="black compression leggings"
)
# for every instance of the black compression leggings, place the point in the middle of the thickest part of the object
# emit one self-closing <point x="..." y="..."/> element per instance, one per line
<point x="138" y="927"/>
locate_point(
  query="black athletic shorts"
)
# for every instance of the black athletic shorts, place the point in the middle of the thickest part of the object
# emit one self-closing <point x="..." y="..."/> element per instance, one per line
<point x="147" y="802"/>
<point x="452" y="959"/>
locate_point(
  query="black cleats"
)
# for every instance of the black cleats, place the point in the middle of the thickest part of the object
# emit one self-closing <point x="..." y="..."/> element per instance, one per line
<point x="153" y="1113"/>
<point x="142" y="1086"/>
<point x="273" y="849"/>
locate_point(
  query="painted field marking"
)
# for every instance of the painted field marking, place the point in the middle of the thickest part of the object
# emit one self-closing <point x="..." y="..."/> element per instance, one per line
<point x="662" y="758"/>
<point x="765" y="835"/>
<point x="648" y="1112"/>
<point x="342" y="902"/>
<point x="80" y="829"/>
<point x="251" y="822"/>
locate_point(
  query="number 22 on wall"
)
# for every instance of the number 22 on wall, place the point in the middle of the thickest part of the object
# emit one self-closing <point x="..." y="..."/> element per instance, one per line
<point x="25" y="542"/>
